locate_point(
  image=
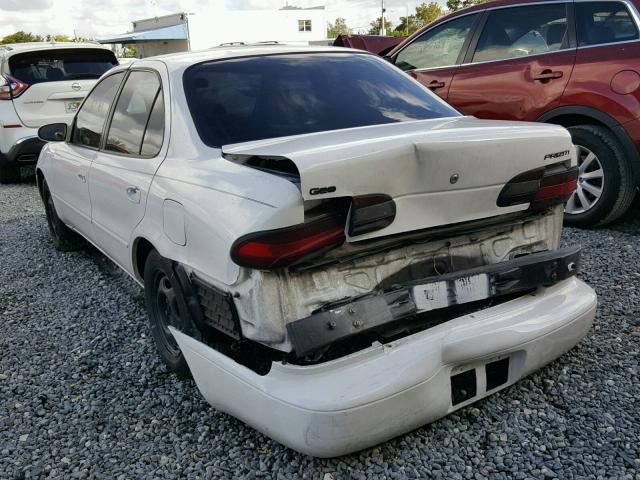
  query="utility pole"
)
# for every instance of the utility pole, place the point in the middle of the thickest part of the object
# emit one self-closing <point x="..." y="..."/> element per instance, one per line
<point x="407" y="20"/>
<point x="383" y="30"/>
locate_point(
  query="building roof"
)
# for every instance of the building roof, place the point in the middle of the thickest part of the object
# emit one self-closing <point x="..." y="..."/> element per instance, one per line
<point x="174" y="32"/>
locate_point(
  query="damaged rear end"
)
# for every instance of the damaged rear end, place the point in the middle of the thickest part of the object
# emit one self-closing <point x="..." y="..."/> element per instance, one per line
<point x="406" y="225"/>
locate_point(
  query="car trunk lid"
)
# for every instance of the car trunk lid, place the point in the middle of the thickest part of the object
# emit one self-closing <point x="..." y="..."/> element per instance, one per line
<point x="438" y="172"/>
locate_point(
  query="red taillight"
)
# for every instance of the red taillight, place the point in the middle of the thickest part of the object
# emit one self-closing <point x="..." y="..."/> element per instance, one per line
<point x="540" y="187"/>
<point x="286" y="246"/>
<point x="557" y="185"/>
<point x="11" y="88"/>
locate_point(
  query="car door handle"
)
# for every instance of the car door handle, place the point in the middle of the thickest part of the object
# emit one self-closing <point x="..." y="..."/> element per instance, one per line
<point x="547" y="75"/>
<point x="82" y="178"/>
<point x="133" y="194"/>
<point x="435" y="85"/>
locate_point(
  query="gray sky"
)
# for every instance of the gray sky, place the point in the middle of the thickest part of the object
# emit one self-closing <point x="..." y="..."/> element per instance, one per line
<point x="94" y="18"/>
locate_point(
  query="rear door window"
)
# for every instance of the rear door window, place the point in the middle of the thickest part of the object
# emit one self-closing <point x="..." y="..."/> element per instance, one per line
<point x="522" y="31"/>
<point x="132" y="112"/>
<point x="438" y="47"/>
<point x="604" y="22"/>
<point x="61" y="65"/>
<point x="90" y="120"/>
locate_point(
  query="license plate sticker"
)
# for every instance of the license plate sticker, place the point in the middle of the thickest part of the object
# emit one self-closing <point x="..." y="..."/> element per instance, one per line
<point x="435" y="295"/>
<point x="72" y="106"/>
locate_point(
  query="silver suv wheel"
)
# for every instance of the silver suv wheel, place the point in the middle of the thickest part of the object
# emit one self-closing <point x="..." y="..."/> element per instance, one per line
<point x="590" y="182"/>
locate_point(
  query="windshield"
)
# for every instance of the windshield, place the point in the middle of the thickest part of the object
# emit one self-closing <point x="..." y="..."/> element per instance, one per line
<point x="270" y="96"/>
<point x="59" y="65"/>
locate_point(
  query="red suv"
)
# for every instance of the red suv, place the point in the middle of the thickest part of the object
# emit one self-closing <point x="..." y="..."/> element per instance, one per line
<point x="572" y="63"/>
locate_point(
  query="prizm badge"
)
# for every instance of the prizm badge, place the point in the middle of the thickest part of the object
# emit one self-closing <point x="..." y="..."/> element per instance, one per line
<point x="557" y="154"/>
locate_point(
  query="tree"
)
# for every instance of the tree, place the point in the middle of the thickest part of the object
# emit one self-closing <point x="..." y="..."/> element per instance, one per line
<point x="57" y="38"/>
<point x="21" y="37"/>
<point x="454" y="5"/>
<point x="374" y="27"/>
<point x="404" y="29"/>
<point x="427" y="13"/>
<point x="129" y="51"/>
<point x="338" y="28"/>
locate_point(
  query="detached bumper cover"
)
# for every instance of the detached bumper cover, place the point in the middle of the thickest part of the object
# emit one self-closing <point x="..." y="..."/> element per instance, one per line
<point x="383" y="391"/>
<point x="352" y="317"/>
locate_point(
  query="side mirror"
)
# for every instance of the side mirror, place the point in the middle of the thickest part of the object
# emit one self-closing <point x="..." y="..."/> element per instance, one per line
<point x="54" y="132"/>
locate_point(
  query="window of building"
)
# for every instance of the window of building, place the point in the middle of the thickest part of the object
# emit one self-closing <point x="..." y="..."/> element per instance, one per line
<point x="304" y="25"/>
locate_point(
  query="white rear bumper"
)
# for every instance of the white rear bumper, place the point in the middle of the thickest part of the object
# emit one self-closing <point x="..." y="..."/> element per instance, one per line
<point x="378" y="393"/>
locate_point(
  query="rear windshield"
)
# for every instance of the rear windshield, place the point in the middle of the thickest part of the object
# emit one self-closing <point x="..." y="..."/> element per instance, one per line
<point x="60" y="65"/>
<point x="253" y="98"/>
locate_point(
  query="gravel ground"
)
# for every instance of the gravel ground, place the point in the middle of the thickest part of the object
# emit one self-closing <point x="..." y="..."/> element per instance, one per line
<point x="83" y="394"/>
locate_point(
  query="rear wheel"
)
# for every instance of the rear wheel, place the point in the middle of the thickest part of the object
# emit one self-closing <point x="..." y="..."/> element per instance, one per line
<point x="65" y="239"/>
<point x="166" y="308"/>
<point x="9" y="174"/>
<point x="605" y="180"/>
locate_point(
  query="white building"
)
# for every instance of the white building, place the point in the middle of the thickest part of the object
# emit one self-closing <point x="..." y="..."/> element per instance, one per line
<point x="213" y="26"/>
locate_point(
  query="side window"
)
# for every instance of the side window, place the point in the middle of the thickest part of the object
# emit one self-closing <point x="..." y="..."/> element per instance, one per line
<point x="132" y="113"/>
<point x="604" y="22"/>
<point x="437" y="47"/>
<point x="154" y="133"/>
<point x="91" y="117"/>
<point x="521" y="31"/>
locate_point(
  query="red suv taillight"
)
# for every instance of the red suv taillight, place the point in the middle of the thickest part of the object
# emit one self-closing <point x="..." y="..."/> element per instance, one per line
<point x="11" y="87"/>
<point x="550" y="185"/>
<point x="286" y="246"/>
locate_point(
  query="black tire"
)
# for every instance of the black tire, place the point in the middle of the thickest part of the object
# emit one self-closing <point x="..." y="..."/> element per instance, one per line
<point x="617" y="186"/>
<point x="64" y="239"/>
<point x="9" y="174"/>
<point x="165" y="302"/>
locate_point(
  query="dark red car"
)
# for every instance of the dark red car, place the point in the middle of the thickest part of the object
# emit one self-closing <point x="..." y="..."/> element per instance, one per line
<point x="572" y="63"/>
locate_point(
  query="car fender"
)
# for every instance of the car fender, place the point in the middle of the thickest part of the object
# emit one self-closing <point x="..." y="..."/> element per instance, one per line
<point x="212" y="217"/>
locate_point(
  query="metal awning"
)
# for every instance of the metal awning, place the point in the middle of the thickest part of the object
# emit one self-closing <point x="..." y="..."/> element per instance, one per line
<point x="175" y="32"/>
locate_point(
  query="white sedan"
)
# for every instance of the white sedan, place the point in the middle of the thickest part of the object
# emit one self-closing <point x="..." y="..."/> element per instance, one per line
<point x="336" y="255"/>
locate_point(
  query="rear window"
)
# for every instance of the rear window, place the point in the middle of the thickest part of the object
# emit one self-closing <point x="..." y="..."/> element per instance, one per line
<point x="253" y="98"/>
<point x="60" y="65"/>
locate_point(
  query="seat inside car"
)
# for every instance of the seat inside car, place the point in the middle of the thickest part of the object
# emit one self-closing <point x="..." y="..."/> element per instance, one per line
<point x="54" y="74"/>
<point x="556" y="35"/>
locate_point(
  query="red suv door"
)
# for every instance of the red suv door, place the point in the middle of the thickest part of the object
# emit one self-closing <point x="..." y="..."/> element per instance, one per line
<point x="432" y="58"/>
<point x="518" y="63"/>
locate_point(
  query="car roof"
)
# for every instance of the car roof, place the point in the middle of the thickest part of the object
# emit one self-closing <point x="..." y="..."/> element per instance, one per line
<point x="183" y="59"/>
<point x="13" y="48"/>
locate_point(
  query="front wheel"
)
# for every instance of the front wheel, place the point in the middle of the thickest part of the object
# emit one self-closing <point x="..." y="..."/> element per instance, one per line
<point x="166" y="308"/>
<point x="605" y="181"/>
<point x="64" y="239"/>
